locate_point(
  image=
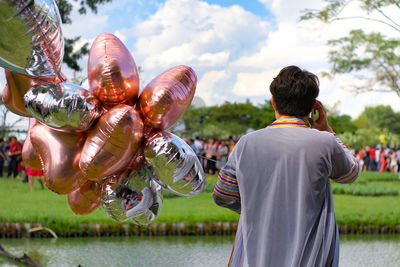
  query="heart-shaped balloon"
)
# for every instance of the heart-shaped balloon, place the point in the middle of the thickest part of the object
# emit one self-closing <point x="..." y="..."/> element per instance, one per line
<point x="17" y="85"/>
<point x="29" y="155"/>
<point x="166" y="98"/>
<point x="59" y="154"/>
<point x="135" y="196"/>
<point x="176" y="165"/>
<point x="112" y="72"/>
<point x="31" y="42"/>
<point x="85" y="199"/>
<point x="64" y="106"/>
<point x="112" y="143"/>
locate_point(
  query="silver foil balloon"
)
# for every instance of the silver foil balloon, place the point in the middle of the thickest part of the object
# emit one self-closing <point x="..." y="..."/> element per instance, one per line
<point x="63" y="106"/>
<point x="31" y="40"/>
<point x="136" y="197"/>
<point x="175" y="164"/>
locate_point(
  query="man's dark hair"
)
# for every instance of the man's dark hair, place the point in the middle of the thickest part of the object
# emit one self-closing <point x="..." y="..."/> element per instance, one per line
<point x="294" y="91"/>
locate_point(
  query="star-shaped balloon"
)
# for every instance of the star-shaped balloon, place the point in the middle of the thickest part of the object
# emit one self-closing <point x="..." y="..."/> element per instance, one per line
<point x="105" y="143"/>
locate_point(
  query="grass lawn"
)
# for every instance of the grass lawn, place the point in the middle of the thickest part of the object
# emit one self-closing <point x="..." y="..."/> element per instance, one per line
<point x="18" y="204"/>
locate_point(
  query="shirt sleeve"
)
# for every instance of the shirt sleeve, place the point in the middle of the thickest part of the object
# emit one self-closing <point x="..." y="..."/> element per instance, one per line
<point x="346" y="167"/>
<point x="226" y="192"/>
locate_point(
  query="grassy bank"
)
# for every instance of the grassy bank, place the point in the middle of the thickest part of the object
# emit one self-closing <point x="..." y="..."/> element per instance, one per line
<point x="18" y="204"/>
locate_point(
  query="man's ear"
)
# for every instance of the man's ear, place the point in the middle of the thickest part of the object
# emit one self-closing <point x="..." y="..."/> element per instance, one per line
<point x="273" y="102"/>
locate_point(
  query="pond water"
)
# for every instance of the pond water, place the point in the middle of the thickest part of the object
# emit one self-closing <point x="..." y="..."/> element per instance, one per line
<point x="382" y="250"/>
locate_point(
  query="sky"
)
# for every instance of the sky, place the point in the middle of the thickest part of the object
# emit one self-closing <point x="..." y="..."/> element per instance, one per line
<point x="235" y="47"/>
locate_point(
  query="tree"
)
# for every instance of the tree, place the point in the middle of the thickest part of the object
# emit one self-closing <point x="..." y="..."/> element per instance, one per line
<point x="229" y="119"/>
<point x="373" y="56"/>
<point x="381" y="117"/>
<point x="65" y="7"/>
<point x="342" y="123"/>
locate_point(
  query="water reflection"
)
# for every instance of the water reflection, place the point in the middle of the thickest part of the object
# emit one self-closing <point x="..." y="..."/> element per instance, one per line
<point x="382" y="250"/>
<point x="369" y="250"/>
<point x="133" y="251"/>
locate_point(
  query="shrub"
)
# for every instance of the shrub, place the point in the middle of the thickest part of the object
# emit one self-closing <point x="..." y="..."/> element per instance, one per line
<point x="209" y="188"/>
<point x="377" y="176"/>
<point x="363" y="190"/>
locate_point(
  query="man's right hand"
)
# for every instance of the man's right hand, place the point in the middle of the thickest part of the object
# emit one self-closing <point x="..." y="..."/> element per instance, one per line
<point x="322" y="122"/>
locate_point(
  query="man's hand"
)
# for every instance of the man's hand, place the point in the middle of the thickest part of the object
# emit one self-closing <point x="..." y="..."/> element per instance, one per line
<point x="322" y="122"/>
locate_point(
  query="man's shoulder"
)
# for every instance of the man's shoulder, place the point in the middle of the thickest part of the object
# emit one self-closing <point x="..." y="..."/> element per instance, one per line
<point x="293" y="133"/>
<point x="306" y="131"/>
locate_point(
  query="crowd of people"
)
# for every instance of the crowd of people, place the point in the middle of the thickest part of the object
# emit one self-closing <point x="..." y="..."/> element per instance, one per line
<point x="213" y="154"/>
<point x="11" y="155"/>
<point x="379" y="159"/>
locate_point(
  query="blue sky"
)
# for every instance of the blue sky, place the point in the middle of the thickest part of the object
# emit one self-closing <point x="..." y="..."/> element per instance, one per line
<point x="255" y="7"/>
<point x="235" y="47"/>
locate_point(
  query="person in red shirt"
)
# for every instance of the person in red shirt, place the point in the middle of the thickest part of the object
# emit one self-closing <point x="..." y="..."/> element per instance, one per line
<point x="34" y="174"/>
<point x="15" y="156"/>
<point x="372" y="155"/>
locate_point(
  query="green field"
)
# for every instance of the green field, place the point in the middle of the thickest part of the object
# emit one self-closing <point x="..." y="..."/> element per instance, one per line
<point x="18" y="204"/>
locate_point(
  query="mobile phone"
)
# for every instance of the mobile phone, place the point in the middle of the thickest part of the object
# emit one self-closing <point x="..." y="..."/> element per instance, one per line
<point x="311" y="115"/>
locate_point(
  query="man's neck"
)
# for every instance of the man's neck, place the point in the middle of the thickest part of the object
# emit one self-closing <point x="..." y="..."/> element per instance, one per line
<point x="279" y="116"/>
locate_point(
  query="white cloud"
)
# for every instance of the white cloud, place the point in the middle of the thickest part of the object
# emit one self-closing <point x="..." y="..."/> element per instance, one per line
<point x="88" y="26"/>
<point x="206" y="37"/>
<point x="254" y="84"/>
<point x="207" y="85"/>
<point x="288" y="45"/>
<point x="120" y="35"/>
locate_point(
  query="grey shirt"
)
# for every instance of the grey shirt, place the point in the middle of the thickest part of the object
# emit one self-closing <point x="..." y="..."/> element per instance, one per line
<point x="284" y="195"/>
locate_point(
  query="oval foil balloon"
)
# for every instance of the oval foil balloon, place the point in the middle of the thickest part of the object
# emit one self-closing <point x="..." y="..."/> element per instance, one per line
<point x="30" y="157"/>
<point x="85" y="199"/>
<point x="17" y="85"/>
<point x="31" y="41"/>
<point x="59" y="154"/>
<point x="112" y="143"/>
<point x="176" y="165"/>
<point x="112" y="72"/>
<point x="166" y="98"/>
<point x="136" y="197"/>
<point x="64" y="106"/>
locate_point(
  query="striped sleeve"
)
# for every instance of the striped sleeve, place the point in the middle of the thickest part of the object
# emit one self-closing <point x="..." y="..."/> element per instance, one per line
<point x="226" y="191"/>
<point x="227" y="187"/>
<point x="339" y="141"/>
<point x="346" y="167"/>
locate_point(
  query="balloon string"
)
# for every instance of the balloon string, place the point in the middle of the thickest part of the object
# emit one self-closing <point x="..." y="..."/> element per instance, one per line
<point x="206" y="158"/>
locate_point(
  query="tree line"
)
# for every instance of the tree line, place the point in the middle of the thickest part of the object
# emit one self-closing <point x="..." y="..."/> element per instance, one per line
<point x="375" y="125"/>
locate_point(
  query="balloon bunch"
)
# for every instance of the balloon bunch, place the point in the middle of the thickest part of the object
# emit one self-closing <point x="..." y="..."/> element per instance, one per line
<point x="102" y="145"/>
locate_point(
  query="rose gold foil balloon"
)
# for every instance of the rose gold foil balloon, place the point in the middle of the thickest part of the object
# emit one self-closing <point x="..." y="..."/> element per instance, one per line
<point x="112" y="72"/>
<point x="18" y="85"/>
<point x="31" y="42"/>
<point x="112" y="143"/>
<point x="137" y="161"/>
<point x="59" y="153"/>
<point x="29" y="155"/>
<point x="166" y="98"/>
<point x="85" y="199"/>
